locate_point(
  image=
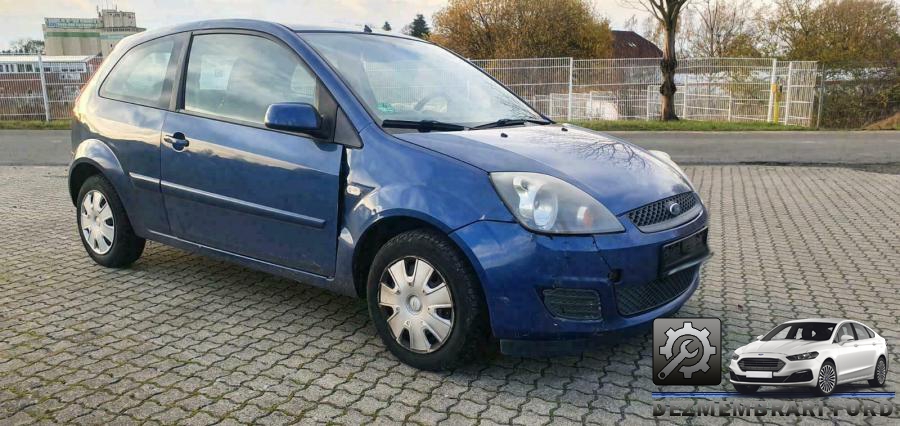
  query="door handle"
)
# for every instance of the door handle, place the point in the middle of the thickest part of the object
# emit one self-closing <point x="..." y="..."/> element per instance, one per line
<point x="177" y="140"/>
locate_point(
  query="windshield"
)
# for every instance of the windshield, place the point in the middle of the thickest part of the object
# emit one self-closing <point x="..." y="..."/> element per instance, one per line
<point x="402" y="79"/>
<point x="812" y="331"/>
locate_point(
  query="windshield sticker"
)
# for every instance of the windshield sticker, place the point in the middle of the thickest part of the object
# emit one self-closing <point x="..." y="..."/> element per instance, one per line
<point x="385" y="107"/>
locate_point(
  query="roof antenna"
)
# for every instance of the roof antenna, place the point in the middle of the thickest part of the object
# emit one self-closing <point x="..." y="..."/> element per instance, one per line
<point x="366" y="29"/>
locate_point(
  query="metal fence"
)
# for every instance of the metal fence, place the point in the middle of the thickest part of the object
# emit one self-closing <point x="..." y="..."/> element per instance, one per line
<point x="35" y="87"/>
<point x="715" y="89"/>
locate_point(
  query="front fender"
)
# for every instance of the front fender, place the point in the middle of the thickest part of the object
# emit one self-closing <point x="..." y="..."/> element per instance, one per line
<point x="442" y="209"/>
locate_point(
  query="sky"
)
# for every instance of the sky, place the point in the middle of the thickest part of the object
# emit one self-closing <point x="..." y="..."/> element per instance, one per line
<point x="23" y="18"/>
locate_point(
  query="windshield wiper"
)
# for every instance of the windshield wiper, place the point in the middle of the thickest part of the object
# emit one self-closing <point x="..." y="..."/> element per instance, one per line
<point x="422" y="125"/>
<point x="504" y="122"/>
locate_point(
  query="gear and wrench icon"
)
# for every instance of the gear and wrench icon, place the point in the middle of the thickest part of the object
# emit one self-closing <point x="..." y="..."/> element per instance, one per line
<point x="688" y="330"/>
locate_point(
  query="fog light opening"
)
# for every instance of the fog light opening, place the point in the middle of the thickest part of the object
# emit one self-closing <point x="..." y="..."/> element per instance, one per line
<point x="615" y="275"/>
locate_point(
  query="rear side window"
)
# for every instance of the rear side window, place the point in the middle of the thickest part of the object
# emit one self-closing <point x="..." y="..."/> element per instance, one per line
<point x="139" y="77"/>
<point x="861" y="331"/>
<point x="238" y="76"/>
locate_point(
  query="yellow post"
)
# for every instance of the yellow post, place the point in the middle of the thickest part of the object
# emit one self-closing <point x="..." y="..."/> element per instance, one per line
<point x="776" y="92"/>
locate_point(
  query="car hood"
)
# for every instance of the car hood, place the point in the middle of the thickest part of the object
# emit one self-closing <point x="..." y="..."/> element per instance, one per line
<point x="786" y="347"/>
<point x="620" y="175"/>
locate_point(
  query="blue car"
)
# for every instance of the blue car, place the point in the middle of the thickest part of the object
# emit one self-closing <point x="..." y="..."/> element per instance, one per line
<point x="387" y="168"/>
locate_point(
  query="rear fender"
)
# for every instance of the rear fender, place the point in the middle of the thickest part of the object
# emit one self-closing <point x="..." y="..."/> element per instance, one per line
<point x="98" y="155"/>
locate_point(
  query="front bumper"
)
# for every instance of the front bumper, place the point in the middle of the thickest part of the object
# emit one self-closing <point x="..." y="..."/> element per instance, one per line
<point x="793" y="373"/>
<point x="516" y="267"/>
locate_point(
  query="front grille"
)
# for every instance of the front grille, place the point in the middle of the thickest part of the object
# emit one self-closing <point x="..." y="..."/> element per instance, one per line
<point x="636" y="299"/>
<point x="658" y="212"/>
<point x="798" y="377"/>
<point x="761" y="364"/>
<point x="571" y="303"/>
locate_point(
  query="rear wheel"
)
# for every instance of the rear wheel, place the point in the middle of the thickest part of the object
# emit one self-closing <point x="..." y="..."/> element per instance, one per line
<point x="880" y="376"/>
<point x="104" y="227"/>
<point x="746" y="389"/>
<point x="426" y="302"/>
<point x="827" y="379"/>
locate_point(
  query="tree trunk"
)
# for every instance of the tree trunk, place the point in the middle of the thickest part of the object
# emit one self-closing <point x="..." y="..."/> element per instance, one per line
<point x="668" y="66"/>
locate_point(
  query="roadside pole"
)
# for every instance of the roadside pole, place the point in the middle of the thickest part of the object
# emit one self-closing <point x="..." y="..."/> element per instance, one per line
<point x="787" y="95"/>
<point x="821" y="105"/>
<point x="569" y="106"/>
<point x="772" y="78"/>
<point x="40" y="61"/>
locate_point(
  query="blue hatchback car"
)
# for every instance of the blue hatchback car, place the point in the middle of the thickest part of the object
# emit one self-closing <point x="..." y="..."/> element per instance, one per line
<point x="383" y="167"/>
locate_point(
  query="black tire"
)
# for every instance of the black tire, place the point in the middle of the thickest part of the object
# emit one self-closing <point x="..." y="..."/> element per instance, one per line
<point x="126" y="247"/>
<point x="746" y="389"/>
<point x="819" y="379"/>
<point x="875" y="381"/>
<point x="468" y="337"/>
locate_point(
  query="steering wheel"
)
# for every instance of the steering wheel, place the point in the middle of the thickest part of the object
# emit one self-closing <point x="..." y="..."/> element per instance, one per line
<point x="430" y="97"/>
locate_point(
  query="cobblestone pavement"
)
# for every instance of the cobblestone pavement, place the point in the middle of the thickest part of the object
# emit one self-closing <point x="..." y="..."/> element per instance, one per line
<point x="180" y="338"/>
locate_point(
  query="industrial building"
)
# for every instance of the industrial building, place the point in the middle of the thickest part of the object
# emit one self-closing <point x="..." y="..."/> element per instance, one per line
<point x="88" y="36"/>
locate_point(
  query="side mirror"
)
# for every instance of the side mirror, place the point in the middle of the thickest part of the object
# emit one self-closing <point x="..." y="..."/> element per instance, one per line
<point x="295" y="117"/>
<point x="759" y="337"/>
<point x="847" y="338"/>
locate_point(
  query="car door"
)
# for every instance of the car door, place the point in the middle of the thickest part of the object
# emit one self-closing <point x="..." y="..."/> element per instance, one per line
<point x="849" y="362"/>
<point x="868" y="350"/>
<point x="230" y="183"/>
<point x="128" y="115"/>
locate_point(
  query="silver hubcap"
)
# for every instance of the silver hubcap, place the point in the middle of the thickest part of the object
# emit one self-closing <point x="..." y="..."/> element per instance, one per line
<point x="97" y="225"/>
<point x="417" y="303"/>
<point x="827" y="378"/>
<point x="881" y="372"/>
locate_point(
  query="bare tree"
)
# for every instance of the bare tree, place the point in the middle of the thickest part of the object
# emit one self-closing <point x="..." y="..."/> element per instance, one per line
<point x="667" y="13"/>
<point x="721" y="28"/>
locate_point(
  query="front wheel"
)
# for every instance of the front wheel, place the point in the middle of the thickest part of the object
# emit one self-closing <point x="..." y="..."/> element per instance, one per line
<point x="827" y="379"/>
<point x="880" y="374"/>
<point x="426" y="302"/>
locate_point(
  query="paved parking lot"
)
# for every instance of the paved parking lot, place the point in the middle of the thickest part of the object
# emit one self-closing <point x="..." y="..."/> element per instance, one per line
<point x="180" y="338"/>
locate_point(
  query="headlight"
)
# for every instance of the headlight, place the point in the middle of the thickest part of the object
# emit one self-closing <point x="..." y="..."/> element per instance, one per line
<point x="735" y="357"/>
<point x="546" y="204"/>
<point x="802" y="357"/>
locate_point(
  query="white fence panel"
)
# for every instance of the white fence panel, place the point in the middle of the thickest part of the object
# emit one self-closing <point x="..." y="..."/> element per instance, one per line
<point x="715" y="89"/>
<point x="539" y="81"/>
<point x="35" y="87"/>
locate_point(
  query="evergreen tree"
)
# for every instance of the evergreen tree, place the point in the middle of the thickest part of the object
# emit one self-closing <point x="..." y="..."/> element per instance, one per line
<point x="418" y="28"/>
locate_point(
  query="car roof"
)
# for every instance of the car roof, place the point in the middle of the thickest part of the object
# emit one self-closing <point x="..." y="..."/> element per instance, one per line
<point x="834" y="320"/>
<point x="260" y="25"/>
<point x="351" y="29"/>
<point x="250" y="25"/>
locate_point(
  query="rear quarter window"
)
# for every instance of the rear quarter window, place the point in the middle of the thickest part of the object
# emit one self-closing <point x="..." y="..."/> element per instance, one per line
<point x="140" y="76"/>
<point x="862" y="332"/>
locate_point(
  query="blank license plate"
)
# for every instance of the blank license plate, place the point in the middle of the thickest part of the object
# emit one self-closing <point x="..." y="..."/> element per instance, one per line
<point x="759" y="374"/>
<point x="683" y="250"/>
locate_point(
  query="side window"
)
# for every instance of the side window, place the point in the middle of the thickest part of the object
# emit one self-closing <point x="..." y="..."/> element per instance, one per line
<point x="845" y="329"/>
<point x="238" y="76"/>
<point x="861" y="331"/>
<point x="140" y="75"/>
